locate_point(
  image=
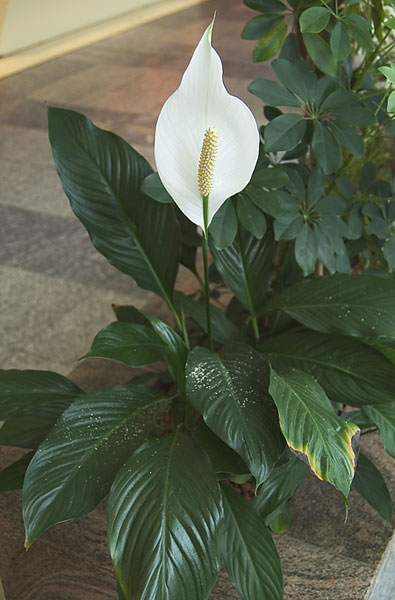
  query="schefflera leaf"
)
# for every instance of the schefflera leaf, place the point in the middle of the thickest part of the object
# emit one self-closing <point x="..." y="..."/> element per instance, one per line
<point x="248" y="550"/>
<point x="230" y="389"/>
<point x="313" y="430"/>
<point x="163" y="512"/>
<point x="74" y="467"/>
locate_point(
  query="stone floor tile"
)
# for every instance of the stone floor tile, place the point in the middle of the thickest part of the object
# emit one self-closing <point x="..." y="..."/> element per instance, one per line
<point x="13" y="358"/>
<point x="23" y="185"/>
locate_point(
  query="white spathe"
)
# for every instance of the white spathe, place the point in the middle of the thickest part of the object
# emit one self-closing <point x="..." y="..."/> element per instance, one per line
<point x="201" y="102"/>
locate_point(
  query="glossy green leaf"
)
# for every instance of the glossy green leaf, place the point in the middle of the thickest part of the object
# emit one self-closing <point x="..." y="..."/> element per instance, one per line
<point x="306" y="249"/>
<point x="279" y="521"/>
<point x="272" y="93"/>
<point x="284" y="132"/>
<point x="248" y="551"/>
<point x="340" y="42"/>
<point x="230" y="389"/>
<point x="101" y="175"/>
<point x="349" y="371"/>
<point x="314" y="19"/>
<point x="313" y="430"/>
<point x="383" y="415"/>
<point x="326" y="149"/>
<point x="24" y="394"/>
<point x="190" y="242"/>
<point x="74" y="467"/>
<point x="246" y="267"/>
<point x="260" y="26"/>
<point x="223" y="228"/>
<point x="120" y="593"/>
<point x="250" y="216"/>
<point x="359" y="418"/>
<point x="226" y="462"/>
<point x="370" y="484"/>
<point x="154" y="188"/>
<point x="163" y="512"/>
<point x="297" y="76"/>
<point x="133" y="345"/>
<point x="360" y="29"/>
<point x="28" y="432"/>
<point x="280" y="485"/>
<point x="270" y="43"/>
<point x="357" y="305"/>
<point x="223" y="329"/>
<point x="320" y="53"/>
<point x="176" y="351"/>
<point x="129" y="314"/>
<point x="11" y="478"/>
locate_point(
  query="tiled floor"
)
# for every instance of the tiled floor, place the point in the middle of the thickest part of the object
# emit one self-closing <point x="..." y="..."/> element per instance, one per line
<point x="55" y="289"/>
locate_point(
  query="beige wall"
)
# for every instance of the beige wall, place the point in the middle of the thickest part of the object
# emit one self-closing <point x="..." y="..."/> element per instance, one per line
<point x="30" y="22"/>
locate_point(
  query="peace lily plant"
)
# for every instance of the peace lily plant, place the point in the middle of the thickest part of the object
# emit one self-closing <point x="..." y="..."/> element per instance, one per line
<point x="284" y="354"/>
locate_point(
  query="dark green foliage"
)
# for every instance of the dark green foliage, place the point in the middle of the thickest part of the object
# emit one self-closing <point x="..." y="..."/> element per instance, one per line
<point x="265" y="358"/>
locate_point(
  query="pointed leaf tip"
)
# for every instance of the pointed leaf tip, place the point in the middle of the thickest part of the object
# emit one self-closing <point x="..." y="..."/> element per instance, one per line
<point x="202" y="102"/>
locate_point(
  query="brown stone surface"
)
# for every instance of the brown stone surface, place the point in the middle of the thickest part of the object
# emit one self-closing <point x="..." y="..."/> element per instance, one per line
<point x="55" y="287"/>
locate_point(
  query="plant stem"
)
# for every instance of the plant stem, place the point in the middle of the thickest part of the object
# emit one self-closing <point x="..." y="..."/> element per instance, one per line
<point x="329" y="8"/>
<point x="184" y="330"/>
<point x="382" y="101"/>
<point x="368" y="62"/>
<point x="255" y="327"/>
<point x="206" y="276"/>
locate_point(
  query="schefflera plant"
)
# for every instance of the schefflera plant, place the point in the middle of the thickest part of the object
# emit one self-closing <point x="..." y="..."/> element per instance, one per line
<point x="254" y="391"/>
<point x="330" y="128"/>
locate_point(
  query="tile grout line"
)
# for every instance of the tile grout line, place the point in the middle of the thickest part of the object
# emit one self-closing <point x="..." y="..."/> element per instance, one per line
<point x="382" y="586"/>
<point x="70" y="42"/>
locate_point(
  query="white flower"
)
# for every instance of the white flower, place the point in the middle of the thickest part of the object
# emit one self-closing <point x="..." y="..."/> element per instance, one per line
<point x="206" y="141"/>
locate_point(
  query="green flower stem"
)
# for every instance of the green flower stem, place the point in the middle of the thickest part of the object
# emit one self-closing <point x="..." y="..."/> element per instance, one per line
<point x="369" y="61"/>
<point x="385" y="96"/>
<point x="206" y="277"/>
<point x="184" y="330"/>
<point x="255" y="327"/>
